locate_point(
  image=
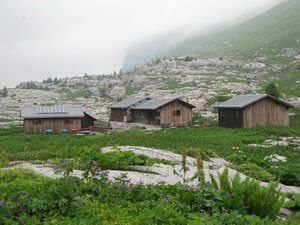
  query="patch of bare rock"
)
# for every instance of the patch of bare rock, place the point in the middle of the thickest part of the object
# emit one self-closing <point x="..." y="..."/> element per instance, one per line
<point x="157" y="173"/>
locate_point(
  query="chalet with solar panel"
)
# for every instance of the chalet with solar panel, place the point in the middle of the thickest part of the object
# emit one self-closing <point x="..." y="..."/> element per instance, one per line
<point x="40" y="119"/>
<point x="121" y="112"/>
<point x="253" y="110"/>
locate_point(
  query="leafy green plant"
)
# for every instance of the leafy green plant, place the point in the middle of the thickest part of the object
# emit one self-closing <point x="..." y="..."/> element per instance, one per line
<point x="294" y="205"/>
<point x="248" y="196"/>
<point x="271" y="89"/>
<point x="184" y="167"/>
<point x="116" y="160"/>
<point x="256" y="172"/>
<point x="200" y="172"/>
<point x="64" y="167"/>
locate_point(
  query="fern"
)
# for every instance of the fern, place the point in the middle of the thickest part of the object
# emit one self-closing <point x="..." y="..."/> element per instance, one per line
<point x="248" y="196"/>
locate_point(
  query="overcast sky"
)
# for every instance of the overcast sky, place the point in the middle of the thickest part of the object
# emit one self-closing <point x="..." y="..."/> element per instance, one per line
<point x="59" y="38"/>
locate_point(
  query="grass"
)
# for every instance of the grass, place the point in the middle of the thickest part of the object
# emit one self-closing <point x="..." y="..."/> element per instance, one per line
<point x="268" y="34"/>
<point x="77" y="94"/>
<point x="224" y="142"/>
<point x="289" y="83"/>
<point x="27" y="198"/>
<point x="173" y="85"/>
<point x="132" y="90"/>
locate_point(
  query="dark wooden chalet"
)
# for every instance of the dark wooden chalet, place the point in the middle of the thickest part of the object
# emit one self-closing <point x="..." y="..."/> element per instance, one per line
<point x="121" y="111"/>
<point x="253" y="110"/>
<point x="87" y="120"/>
<point x="170" y="111"/>
<point x="39" y="119"/>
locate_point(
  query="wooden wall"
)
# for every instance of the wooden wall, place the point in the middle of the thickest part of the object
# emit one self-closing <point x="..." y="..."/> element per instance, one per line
<point x="265" y="112"/>
<point x="176" y="113"/>
<point x="118" y="115"/>
<point x="141" y="116"/>
<point x="87" y="121"/>
<point x="231" y="118"/>
<point x="39" y="126"/>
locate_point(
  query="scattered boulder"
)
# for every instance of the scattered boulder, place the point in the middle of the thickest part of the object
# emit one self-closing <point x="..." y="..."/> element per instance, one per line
<point x="213" y="166"/>
<point x="276" y="158"/>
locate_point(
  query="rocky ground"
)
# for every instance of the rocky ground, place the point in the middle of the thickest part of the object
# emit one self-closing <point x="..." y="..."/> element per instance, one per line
<point x="158" y="173"/>
<point x="198" y="81"/>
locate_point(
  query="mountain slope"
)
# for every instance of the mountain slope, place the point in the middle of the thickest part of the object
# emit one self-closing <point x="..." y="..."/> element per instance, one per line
<point x="274" y="35"/>
<point x="265" y="35"/>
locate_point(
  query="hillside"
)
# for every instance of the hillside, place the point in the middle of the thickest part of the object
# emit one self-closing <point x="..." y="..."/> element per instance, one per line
<point x="272" y="36"/>
<point x="202" y="82"/>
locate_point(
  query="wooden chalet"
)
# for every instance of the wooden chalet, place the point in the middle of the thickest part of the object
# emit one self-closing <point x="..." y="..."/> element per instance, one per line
<point x="169" y="111"/>
<point x="40" y="119"/>
<point x="87" y="120"/>
<point x="253" y="110"/>
<point x="121" y="111"/>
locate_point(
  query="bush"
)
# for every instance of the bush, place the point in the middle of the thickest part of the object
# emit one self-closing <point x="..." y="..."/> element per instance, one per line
<point x="205" y="154"/>
<point x="237" y="158"/>
<point x="248" y="196"/>
<point x="256" y="172"/>
<point x="294" y="205"/>
<point x="290" y="177"/>
<point x="271" y="89"/>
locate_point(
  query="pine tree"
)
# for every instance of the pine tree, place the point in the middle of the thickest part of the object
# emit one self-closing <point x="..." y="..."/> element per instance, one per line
<point x="271" y="89"/>
<point x="4" y="92"/>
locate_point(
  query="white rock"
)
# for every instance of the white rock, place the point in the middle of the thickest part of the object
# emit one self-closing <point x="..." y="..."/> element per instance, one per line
<point x="276" y="158"/>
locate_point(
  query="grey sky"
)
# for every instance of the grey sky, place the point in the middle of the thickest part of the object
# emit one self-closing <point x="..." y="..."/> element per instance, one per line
<point x="42" y="38"/>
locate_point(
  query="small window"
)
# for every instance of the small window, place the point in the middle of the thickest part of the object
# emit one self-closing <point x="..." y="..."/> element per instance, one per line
<point x="157" y="113"/>
<point x="37" y="122"/>
<point x="176" y="113"/>
<point x="221" y="113"/>
<point x="237" y="113"/>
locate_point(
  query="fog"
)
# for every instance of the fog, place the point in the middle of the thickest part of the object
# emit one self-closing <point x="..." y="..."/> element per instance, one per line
<point x="59" y="38"/>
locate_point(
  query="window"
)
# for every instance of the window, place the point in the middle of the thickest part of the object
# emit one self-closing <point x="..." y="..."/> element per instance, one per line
<point x="157" y="113"/>
<point x="68" y="121"/>
<point x="176" y="113"/>
<point x="237" y="113"/>
<point x="37" y="122"/>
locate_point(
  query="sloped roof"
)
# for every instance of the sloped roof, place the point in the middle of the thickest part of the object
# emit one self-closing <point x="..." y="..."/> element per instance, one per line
<point x="126" y="103"/>
<point x="89" y="115"/>
<point x="43" y="112"/>
<point x="154" y="104"/>
<point x="241" y="101"/>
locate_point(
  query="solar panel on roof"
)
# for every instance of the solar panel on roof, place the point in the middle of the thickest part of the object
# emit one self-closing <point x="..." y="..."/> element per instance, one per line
<point x="51" y="110"/>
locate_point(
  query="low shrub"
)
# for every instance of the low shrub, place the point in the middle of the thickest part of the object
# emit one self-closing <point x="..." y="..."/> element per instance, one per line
<point x="256" y="172"/>
<point x="294" y="205"/>
<point x="248" y="196"/>
<point x="117" y="160"/>
<point x="290" y="175"/>
<point x="237" y="158"/>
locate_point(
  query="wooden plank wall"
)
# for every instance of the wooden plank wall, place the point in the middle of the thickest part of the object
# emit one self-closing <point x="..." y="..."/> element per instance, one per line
<point x="231" y="118"/>
<point x="39" y="126"/>
<point x="265" y="112"/>
<point x="140" y="116"/>
<point x="167" y="116"/>
<point x="118" y="115"/>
